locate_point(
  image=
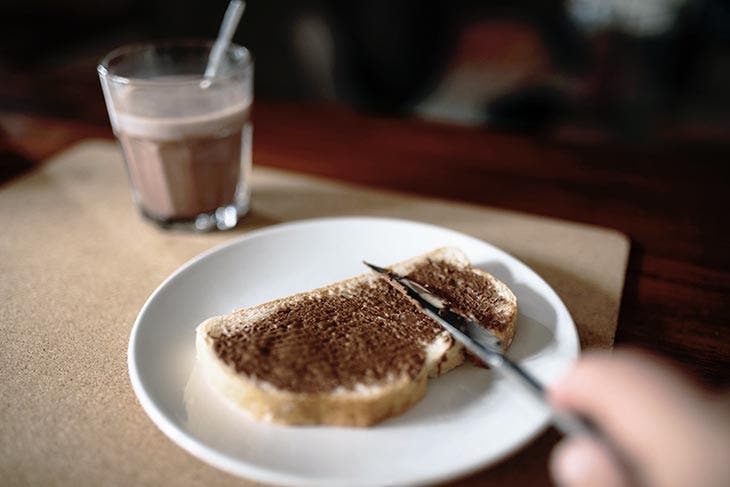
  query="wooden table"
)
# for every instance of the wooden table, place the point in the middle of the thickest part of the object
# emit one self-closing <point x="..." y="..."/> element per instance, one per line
<point x="670" y="199"/>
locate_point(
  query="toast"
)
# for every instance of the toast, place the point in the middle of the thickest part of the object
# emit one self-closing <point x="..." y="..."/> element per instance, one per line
<point x="352" y="353"/>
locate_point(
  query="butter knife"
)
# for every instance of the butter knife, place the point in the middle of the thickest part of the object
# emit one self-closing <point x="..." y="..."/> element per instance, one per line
<point x="483" y="344"/>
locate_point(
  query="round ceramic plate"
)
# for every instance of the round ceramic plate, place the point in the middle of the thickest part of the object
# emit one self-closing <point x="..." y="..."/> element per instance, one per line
<point x="469" y="418"/>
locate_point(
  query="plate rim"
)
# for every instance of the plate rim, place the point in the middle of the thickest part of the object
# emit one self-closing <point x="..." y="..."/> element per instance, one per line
<point x="234" y="465"/>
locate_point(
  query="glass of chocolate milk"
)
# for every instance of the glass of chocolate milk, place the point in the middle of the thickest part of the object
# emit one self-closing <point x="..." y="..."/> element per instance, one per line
<point x="186" y="139"/>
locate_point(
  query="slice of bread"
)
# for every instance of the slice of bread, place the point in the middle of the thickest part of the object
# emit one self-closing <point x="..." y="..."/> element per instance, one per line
<point x="354" y="352"/>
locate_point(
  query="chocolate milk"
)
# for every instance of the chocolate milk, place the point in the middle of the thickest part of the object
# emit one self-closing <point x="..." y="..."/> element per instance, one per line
<point x="181" y="167"/>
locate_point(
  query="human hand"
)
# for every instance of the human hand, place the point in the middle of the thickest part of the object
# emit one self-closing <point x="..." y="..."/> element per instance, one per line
<point x="668" y="430"/>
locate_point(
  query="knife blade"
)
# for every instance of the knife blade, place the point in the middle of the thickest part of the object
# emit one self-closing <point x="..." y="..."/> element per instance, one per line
<point x="484" y="345"/>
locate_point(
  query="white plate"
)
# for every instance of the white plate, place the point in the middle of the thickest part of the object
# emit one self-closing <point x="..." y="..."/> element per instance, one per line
<point x="469" y="418"/>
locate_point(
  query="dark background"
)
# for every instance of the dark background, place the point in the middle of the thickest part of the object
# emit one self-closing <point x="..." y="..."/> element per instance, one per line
<point x="538" y="66"/>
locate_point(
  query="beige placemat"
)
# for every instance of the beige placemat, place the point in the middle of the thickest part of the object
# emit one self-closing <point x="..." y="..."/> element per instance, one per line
<point x="77" y="263"/>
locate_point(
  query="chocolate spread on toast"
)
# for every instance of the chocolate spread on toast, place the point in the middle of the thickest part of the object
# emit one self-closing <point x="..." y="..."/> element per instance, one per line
<point x="350" y="339"/>
<point x="453" y="284"/>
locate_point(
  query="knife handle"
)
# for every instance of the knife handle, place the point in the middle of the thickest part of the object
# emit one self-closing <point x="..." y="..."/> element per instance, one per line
<point x="569" y="424"/>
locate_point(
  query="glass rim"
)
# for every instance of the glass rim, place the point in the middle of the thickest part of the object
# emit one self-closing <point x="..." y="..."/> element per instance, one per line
<point x="105" y="71"/>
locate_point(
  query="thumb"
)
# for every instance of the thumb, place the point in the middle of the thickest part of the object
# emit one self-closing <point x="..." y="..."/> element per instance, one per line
<point x="581" y="461"/>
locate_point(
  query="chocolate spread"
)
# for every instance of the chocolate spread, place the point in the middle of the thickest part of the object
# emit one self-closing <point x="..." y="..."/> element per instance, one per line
<point x="344" y="340"/>
<point x="467" y="292"/>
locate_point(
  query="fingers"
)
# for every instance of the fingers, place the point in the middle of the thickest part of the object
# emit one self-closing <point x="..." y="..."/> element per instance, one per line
<point x="581" y="462"/>
<point x="626" y="394"/>
<point x="671" y="432"/>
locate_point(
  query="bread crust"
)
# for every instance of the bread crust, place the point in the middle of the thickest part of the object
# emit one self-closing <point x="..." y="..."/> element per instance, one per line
<point x="360" y="406"/>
